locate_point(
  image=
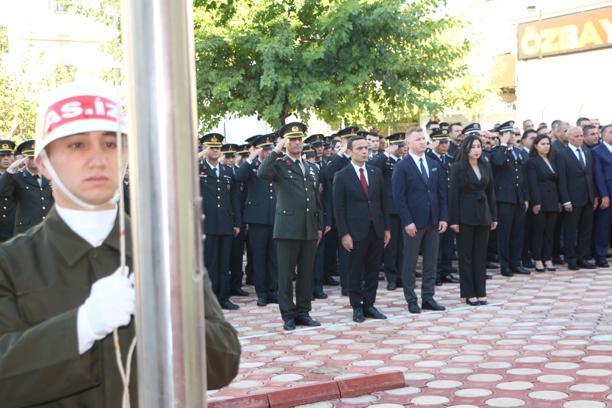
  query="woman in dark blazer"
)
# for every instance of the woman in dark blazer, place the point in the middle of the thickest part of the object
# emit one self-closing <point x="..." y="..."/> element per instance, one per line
<point x="472" y="214"/>
<point x="542" y="181"/>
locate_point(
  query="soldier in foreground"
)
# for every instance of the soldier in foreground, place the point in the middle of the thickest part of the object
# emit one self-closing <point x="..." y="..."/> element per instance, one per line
<point x="62" y="292"/>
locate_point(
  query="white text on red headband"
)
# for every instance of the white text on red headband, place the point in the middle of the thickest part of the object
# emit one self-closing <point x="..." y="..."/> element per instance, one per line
<point x="81" y="107"/>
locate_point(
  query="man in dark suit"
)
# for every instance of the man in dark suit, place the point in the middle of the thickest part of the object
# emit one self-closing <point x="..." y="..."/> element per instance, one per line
<point x="419" y="190"/>
<point x="340" y="160"/>
<point x="393" y="251"/>
<point x="258" y="214"/>
<point x="512" y="195"/>
<point x="455" y="137"/>
<point x="362" y="218"/>
<point x="439" y="153"/>
<point x="221" y="209"/>
<point x="298" y="226"/>
<point x="30" y="191"/>
<point x="602" y="169"/>
<point x="577" y="194"/>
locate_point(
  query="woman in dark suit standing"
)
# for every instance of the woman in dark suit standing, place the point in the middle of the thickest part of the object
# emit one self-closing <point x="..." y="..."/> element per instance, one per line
<point x="472" y="214"/>
<point x="542" y="181"/>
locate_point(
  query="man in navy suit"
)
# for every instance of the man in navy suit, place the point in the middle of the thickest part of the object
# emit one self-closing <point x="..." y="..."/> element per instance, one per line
<point x="602" y="171"/>
<point x="419" y="191"/>
<point x="362" y="219"/>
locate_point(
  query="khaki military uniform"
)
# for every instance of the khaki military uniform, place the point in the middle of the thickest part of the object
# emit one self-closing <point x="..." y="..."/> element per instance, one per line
<point x="45" y="275"/>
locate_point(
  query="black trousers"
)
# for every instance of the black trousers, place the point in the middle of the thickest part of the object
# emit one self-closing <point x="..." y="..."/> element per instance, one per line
<point x="578" y="226"/>
<point x="236" y="260"/>
<point x="510" y="231"/>
<point x="248" y="269"/>
<point x="558" y="237"/>
<point x="528" y="228"/>
<point x="217" y="250"/>
<point x="331" y="252"/>
<point x="363" y="267"/>
<point x="392" y="257"/>
<point x="492" y="246"/>
<point x="472" y="260"/>
<point x="319" y="268"/>
<point x="445" y="253"/>
<point x="542" y="235"/>
<point x="265" y="273"/>
<point x="295" y="258"/>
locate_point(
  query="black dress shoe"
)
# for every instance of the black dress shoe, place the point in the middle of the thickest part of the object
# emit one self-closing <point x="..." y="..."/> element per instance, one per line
<point x="239" y="292"/>
<point x="289" y="324"/>
<point x="491" y="265"/>
<point x="602" y="263"/>
<point x="528" y="264"/>
<point x="551" y="269"/>
<point x="432" y="305"/>
<point x="483" y="302"/>
<point x="227" y="305"/>
<point x="449" y="278"/>
<point x="272" y="298"/>
<point x="345" y="292"/>
<point x="319" y="294"/>
<point x="358" y="316"/>
<point x="572" y="266"/>
<point x="413" y="307"/>
<point x="373" y="312"/>
<point x="306" y="321"/>
<point x="262" y="301"/>
<point x="330" y="281"/>
<point x="586" y="265"/>
<point x="506" y="272"/>
<point x="540" y="270"/>
<point x="474" y="303"/>
<point x="418" y="274"/>
<point x="520" y="270"/>
<point x="391" y="286"/>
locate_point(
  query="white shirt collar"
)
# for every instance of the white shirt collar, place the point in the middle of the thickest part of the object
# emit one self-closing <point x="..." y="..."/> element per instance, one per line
<point x="211" y="166"/>
<point x="92" y="226"/>
<point x="609" y="146"/>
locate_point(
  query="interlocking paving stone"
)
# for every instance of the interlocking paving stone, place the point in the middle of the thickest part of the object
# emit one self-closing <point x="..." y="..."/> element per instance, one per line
<point x="545" y="340"/>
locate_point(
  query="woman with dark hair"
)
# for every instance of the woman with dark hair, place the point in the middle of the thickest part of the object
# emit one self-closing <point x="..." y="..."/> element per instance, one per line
<point x="542" y="182"/>
<point x="472" y="214"/>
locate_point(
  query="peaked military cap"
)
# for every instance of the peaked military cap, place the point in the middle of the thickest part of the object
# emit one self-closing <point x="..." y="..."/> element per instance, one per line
<point x="243" y="149"/>
<point x="308" y="150"/>
<point x="212" y="139"/>
<point x="398" y="138"/>
<point x="444" y="125"/>
<point x="471" y="129"/>
<point x="293" y="130"/>
<point x="7" y="146"/>
<point x="315" y="140"/>
<point x="440" y="134"/>
<point x="363" y="133"/>
<point x="26" y="148"/>
<point x="506" y="127"/>
<point x="229" y="149"/>
<point x="348" y="132"/>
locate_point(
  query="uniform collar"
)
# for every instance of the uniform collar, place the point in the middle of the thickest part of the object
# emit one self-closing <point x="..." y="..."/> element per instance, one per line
<point x="72" y="247"/>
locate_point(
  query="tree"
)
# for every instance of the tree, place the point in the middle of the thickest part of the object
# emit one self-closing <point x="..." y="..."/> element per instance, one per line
<point x="367" y="61"/>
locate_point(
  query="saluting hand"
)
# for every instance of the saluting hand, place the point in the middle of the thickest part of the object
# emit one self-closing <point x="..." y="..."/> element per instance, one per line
<point x="280" y="145"/>
<point x="17" y="165"/>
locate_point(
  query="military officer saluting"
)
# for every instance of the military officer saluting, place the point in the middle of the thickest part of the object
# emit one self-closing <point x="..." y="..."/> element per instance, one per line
<point x="7" y="203"/>
<point x="298" y="224"/>
<point x="31" y="191"/>
<point x="259" y="210"/>
<point x="221" y="208"/>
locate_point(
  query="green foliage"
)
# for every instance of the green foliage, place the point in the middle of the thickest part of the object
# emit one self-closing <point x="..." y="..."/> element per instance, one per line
<point x="367" y="61"/>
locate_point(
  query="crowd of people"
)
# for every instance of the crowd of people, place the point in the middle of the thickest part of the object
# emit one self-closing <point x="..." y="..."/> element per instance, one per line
<point x="357" y="205"/>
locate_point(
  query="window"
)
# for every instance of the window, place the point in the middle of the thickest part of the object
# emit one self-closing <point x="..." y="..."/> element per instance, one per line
<point x="60" y="6"/>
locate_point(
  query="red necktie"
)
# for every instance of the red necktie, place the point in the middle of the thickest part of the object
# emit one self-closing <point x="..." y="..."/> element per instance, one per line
<point x="364" y="183"/>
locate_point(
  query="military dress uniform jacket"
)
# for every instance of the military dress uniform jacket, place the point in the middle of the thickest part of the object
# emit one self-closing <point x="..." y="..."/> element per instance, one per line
<point x="386" y="164"/>
<point x="260" y="202"/>
<point x="298" y="211"/>
<point x="220" y="200"/>
<point x="45" y="275"/>
<point x="7" y="217"/>
<point x="510" y="175"/>
<point x="33" y="201"/>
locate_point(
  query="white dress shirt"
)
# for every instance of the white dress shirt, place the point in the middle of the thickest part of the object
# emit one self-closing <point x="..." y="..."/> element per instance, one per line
<point x="608" y="146"/>
<point x="365" y="171"/>
<point x="417" y="161"/>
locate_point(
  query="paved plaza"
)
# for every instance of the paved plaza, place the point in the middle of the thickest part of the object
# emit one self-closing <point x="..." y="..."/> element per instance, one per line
<point x="545" y="340"/>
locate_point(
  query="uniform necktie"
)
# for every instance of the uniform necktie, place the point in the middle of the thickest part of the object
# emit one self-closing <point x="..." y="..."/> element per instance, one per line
<point x="299" y="163"/>
<point x="364" y="183"/>
<point x="443" y="159"/>
<point x="423" y="171"/>
<point x="38" y="180"/>
<point x="581" y="158"/>
<point x="216" y="170"/>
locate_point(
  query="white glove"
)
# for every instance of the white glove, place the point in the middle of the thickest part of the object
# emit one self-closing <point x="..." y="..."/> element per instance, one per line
<point x="110" y="305"/>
